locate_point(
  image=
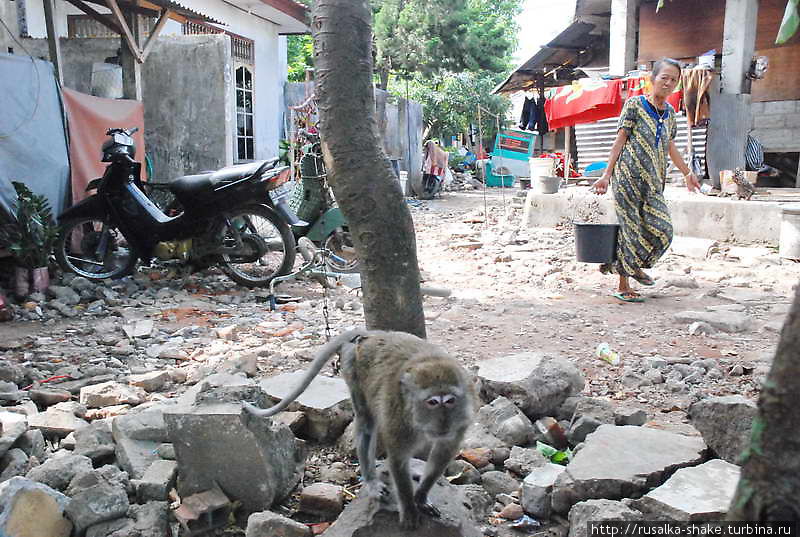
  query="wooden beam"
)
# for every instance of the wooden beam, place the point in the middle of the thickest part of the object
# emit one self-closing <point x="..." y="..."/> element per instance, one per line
<point x="105" y="20"/>
<point x="172" y="15"/>
<point x="52" y="40"/>
<point x="151" y="39"/>
<point x="127" y="35"/>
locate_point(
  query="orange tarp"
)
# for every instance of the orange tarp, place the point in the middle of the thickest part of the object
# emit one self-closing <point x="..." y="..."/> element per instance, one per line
<point x="88" y="119"/>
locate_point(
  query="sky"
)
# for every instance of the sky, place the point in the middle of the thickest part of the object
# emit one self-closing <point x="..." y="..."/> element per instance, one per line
<point x="539" y="22"/>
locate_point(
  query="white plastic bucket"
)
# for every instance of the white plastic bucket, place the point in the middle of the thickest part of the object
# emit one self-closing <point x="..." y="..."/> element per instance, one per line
<point x="542" y="167"/>
<point x="403" y="177"/>
<point x="790" y="232"/>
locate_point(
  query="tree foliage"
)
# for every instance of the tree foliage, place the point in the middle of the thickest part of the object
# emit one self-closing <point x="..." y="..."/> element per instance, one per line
<point x="300" y="56"/>
<point x="451" y="100"/>
<point x="434" y="36"/>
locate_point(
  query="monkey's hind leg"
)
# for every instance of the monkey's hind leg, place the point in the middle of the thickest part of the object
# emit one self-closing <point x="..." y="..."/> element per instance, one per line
<point x="404" y="491"/>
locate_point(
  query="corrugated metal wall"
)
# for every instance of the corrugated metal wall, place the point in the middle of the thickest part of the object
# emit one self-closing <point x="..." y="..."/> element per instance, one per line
<point x="595" y="140"/>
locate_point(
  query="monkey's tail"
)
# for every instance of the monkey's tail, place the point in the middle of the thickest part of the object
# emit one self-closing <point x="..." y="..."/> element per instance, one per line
<point x="320" y="359"/>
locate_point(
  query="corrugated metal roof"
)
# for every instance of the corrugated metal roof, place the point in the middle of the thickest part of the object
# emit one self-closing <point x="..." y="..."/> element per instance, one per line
<point x="558" y="62"/>
<point x="173" y="6"/>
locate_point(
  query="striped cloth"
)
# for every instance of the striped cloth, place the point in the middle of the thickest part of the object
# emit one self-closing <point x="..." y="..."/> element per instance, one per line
<point x="638" y="186"/>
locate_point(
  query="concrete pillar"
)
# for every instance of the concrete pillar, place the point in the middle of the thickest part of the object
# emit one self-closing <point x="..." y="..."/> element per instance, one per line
<point x="131" y="68"/>
<point x="622" y="53"/>
<point x="738" y="44"/>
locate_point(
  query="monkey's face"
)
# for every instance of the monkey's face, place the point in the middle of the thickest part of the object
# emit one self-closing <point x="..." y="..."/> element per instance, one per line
<point x="441" y="412"/>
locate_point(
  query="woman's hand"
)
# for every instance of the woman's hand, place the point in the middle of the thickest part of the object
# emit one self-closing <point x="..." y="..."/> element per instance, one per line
<point x="692" y="183"/>
<point x="600" y="186"/>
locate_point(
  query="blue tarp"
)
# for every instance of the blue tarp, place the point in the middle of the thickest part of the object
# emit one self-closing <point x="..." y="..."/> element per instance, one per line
<point x="33" y="144"/>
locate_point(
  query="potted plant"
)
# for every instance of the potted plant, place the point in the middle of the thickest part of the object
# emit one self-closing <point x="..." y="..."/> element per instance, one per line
<point x="30" y="237"/>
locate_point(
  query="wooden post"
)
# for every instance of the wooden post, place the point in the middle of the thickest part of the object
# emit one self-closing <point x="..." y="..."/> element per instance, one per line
<point x="52" y="40"/>
<point x="130" y="58"/>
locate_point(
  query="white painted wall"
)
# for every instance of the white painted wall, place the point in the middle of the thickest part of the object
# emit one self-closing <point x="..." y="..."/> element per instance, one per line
<point x="270" y="59"/>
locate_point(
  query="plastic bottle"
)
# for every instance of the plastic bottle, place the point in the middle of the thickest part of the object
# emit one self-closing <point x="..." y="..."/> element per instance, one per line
<point x="605" y="353"/>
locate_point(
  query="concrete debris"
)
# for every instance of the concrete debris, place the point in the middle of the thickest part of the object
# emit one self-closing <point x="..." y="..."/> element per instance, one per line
<point x="699" y="494"/>
<point x="537" y="489"/>
<point x="598" y="511"/>
<point x="204" y="511"/>
<point x="725" y="424"/>
<point x="324" y="500"/>
<point x="28" y="508"/>
<point x="505" y="421"/>
<point x="267" y="523"/>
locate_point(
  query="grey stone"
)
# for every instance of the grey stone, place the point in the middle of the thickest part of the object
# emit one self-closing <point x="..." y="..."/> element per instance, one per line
<point x="698" y="327"/>
<point x="157" y="481"/>
<point x="725" y="321"/>
<point x="110" y="394"/>
<point x="507" y="422"/>
<point x="14" y="463"/>
<point x="452" y="501"/>
<point x="65" y="295"/>
<point x="326" y="403"/>
<point x="725" y="424"/>
<point x="629" y="416"/>
<point x="49" y="396"/>
<point x="698" y="494"/>
<point x="536" y="383"/>
<point x="598" y="511"/>
<point x="681" y="282"/>
<point x="322" y="499"/>
<point x="499" y="483"/>
<point x="338" y="473"/>
<point x="108" y="474"/>
<point x="605" y="467"/>
<point x="32" y="443"/>
<point x="32" y="509"/>
<point x="56" y="422"/>
<point x="524" y="460"/>
<point x="95" y="441"/>
<point x="268" y="524"/>
<point x="147" y="424"/>
<point x="12" y="426"/>
<point x="537" y="490"/>
<point x="654" y="376"/>
<point x="590" y="414"/>
<point x="11" y="372"/>
<point x="478" y="436"/>
<point x="75" y="386"/>
<point x="148" y="520"/>
<point x="477" y="501"/>
<point x="256" y="461"/>
<point x="152" y="381"/>
<point x="57" y="472"/>
<point x="98" y="503"/>
<point x="460" y="472"/>
<point x="134" y="456"/>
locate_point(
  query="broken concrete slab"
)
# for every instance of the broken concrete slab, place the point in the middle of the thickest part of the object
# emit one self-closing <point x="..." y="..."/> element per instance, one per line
<point x="134" y="456"/>
<point x="151" y="381"/>
<point x="725" y="321"/>
<point x="28" y="508"/>
<point x="110" y="394"/>
<point x="454" y="505"/>
<point x="725" y="424"/>
<point x="324" y="500"/>
<point x="95" y="441"/>
<point x="523" y="461"/>
<point x="326" y="403"/>
<point x="623" y="461"/>
<point x="257" y="461"/>
<point x="598" y="511"/>
<point x="537" y="489"/>
<point x="33" y="444"/>
<point x="147" y="424"/>
<point x="499" y="483"/>
<point x="537" y="383"/>
<point x="698" y="494"/>
<point x="507" y="422"/>
<point x="590" y="413"/>
<point x="56" y="422"/>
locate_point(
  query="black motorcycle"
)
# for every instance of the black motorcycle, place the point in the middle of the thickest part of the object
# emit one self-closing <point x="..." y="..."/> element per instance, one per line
<point x="226" y="218"/>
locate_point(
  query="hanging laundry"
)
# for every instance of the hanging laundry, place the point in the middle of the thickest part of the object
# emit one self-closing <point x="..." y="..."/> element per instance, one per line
<point x="541" y="117"/>
<point x="526" y="113"/>
<point x="583" y="101"/>
<point x="696" y="98"/>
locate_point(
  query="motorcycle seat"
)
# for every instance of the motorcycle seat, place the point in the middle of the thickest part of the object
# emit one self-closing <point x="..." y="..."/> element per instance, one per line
<point x="198" y="183"/>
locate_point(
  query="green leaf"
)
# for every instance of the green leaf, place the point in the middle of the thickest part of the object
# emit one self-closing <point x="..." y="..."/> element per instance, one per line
<point x="790" y="23"/>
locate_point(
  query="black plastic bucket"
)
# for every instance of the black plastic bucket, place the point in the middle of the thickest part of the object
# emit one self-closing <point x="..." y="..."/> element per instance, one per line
<point x="596" y="243"/>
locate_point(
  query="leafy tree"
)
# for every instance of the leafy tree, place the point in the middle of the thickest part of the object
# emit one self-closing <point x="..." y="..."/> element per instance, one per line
<point x="434" y="36"/>
<point x="450" y="102"/>
<point x="300" y="56"/>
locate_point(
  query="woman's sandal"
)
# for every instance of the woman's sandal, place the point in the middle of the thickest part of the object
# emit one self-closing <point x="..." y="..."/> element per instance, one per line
<point x="643" y="279"/>
<point x="628" y="296"/>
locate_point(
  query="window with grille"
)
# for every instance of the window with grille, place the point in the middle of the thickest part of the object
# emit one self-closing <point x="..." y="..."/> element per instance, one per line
<point x="245" y="143"/>
<point x="241" y="47"/>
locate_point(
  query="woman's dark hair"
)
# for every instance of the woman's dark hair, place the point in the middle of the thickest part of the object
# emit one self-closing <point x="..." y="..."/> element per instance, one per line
<point x="662" y="63"/>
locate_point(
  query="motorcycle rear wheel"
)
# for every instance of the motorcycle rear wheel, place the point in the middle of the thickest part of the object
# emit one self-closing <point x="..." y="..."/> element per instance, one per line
<point x="258" y="227"/>
<point x="95" y="249"/>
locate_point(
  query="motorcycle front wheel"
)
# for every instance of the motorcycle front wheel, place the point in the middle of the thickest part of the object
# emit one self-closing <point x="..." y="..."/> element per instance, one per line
<point x="95" y="249"/>
<point x="340" y="244"/>
<point x="267" y="247"/>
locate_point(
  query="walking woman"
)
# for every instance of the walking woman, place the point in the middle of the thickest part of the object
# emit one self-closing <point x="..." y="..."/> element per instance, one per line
<point x="637" y="171"/>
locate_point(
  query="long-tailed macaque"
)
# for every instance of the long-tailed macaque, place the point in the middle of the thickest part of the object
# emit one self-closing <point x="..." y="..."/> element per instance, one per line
<point x="406" y="390"/>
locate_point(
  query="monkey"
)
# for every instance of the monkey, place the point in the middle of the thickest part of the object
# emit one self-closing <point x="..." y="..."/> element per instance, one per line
<point x="407" y="391"/>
